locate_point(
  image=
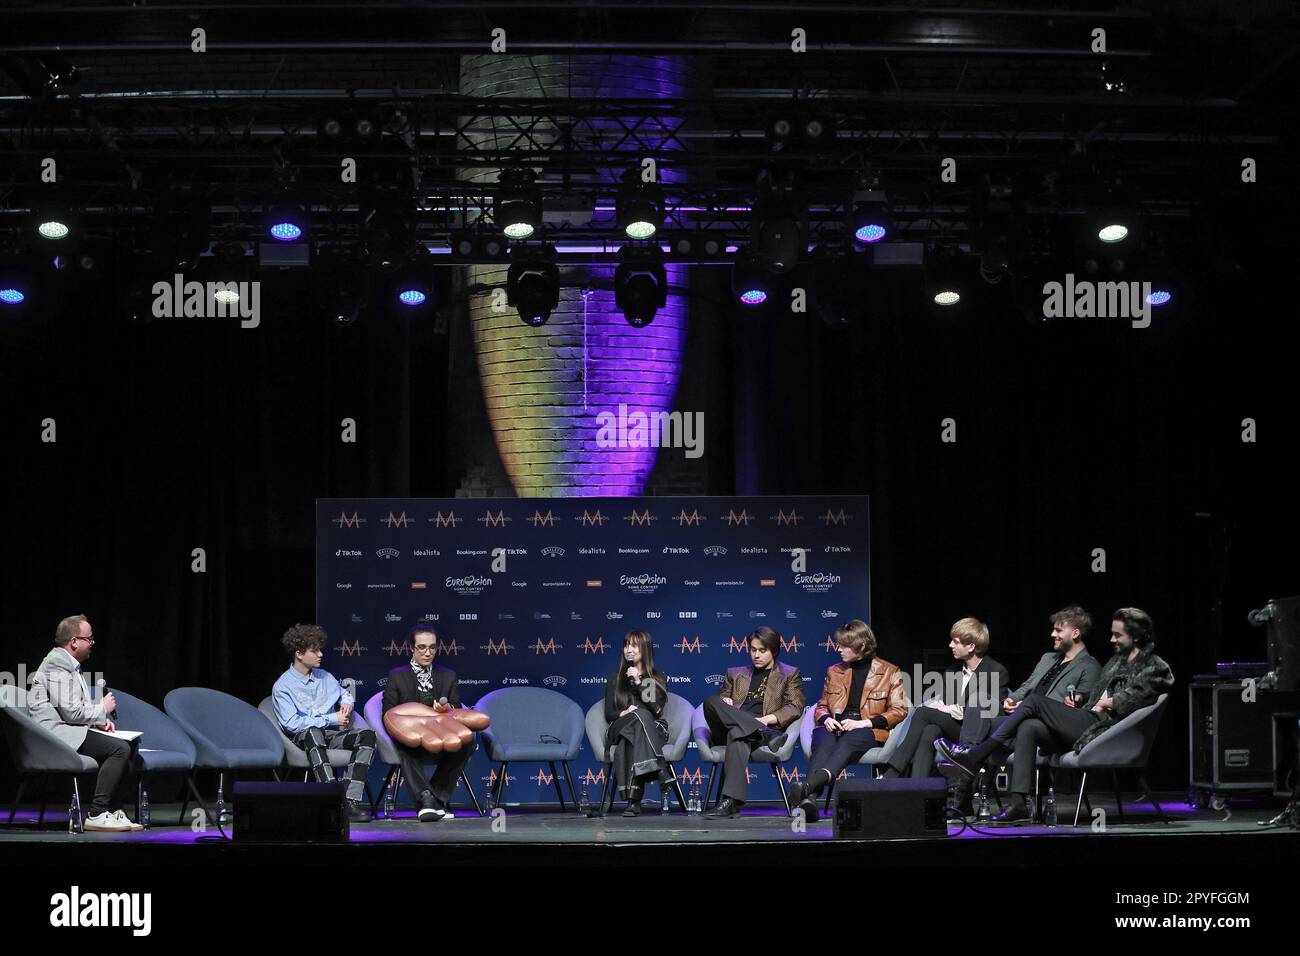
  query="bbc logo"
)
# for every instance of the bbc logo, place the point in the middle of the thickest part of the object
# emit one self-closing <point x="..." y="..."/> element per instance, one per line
<point x="687" y="614"/>
<point x="469" y="617"/>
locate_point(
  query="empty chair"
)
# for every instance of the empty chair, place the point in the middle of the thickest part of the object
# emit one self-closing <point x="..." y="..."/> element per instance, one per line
<point x="677" y="711"/>
<point x="34" y="750"/>
<point x="715" y="754"/>
<point x="228" y="734"/>
<point x="164" y="748"/>
<point x="532" y="725"/>
<point x="387" y="752"/>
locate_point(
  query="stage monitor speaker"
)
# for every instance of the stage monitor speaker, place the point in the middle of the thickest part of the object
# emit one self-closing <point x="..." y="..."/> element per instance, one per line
<point x="890" y="809"/>
<point x="290" y="812"/>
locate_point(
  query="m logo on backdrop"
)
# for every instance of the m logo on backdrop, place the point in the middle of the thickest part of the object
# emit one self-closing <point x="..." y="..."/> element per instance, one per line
<point x="551" y="597"/>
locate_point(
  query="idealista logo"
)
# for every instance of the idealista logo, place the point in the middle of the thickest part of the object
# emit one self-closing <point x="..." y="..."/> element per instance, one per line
<point x="209" y="300"/>
<point x="75" y="909"/>
<point x="553" y="551"/>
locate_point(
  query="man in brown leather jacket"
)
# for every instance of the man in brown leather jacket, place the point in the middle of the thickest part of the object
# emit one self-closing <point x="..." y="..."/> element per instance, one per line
<point x="862" y="699"/>
<point x="755" y="707"/>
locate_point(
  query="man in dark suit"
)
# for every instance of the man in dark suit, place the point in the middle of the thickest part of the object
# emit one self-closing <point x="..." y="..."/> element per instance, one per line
<point x="971" y="697"/>
<point x="756" y="705"/>
<point x="422" y="681"/>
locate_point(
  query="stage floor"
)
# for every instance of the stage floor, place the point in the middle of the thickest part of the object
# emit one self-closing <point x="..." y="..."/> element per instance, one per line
<point x="763" y="834"/>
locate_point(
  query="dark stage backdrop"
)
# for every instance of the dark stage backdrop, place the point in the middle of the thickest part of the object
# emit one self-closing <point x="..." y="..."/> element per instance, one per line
<point x="540" y="592"/>
<point x="1071" y="436"/>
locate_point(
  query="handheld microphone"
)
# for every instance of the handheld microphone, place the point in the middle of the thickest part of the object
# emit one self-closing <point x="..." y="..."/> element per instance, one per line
<point x="1069" y="692"/>
<point x="103" y="689"/>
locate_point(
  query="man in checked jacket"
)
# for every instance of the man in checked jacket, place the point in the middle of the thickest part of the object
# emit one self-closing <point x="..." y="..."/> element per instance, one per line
<point x="1133" y="678"/>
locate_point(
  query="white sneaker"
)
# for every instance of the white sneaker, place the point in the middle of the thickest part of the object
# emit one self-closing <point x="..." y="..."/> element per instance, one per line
<point x="431" y="814"/>
<point x="123" y="818"/>
<point x="106" y="821"/>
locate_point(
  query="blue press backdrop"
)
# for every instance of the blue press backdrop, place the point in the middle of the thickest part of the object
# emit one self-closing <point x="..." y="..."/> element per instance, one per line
<point x="541" y="591"/>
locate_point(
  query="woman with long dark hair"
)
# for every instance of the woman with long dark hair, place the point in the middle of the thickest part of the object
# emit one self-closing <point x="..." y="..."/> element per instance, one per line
<point x="635" y="697"/>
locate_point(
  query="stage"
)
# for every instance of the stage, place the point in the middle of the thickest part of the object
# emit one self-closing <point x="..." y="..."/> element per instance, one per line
<point x="763" y="836"/>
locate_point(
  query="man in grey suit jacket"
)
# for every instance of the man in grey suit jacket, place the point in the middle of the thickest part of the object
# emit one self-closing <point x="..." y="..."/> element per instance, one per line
<point x="1068" y="664"/>
<point x="60" y="701"/>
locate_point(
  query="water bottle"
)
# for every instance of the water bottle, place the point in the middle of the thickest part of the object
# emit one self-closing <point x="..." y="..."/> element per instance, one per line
<point x="1049" y="808"/>
<point x="390" y="799"/>
<point x="584" y="801"/>
<point x="221" y="799"/>
<point x="697" y="805"/>
<point x="74" y="815"/>
<point x="144" y="809"/>
<point x="982" y="810"/>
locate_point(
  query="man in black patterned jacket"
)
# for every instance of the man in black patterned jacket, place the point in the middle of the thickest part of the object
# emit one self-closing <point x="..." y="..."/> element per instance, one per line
<point x="1133" y="678"/>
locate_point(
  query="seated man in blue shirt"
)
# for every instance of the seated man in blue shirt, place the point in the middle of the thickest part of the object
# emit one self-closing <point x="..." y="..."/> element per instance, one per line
<point x="316" y="711"/>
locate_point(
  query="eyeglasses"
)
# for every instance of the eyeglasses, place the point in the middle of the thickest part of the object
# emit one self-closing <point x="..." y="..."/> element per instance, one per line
<point x="88" y="640"/>
<point x="426" y="648"/>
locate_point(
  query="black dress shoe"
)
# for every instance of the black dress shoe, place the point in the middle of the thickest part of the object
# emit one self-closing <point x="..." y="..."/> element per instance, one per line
<point x="809" y="807"/>
<point x="356" y="812"/>
<point x="633" y="809"/>
<point x="796" y="794"/>
<point x="777" y="742"/>
<point x="1017" y="811"/>
<point x="954" y="759"/>
<point x="726" y="808"/>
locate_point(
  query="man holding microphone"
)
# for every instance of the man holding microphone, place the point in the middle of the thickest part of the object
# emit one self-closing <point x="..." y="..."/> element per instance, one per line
<point x="60" y="701"/>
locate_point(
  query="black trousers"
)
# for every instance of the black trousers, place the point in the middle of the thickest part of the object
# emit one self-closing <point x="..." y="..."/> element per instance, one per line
<point x="831" y="754"/>
<point x="450" y="763"/>
<point x="1039" y="723"/>
<point x="635" y="744"/>
<point x="318" y="741"/>
<point x="115" y="757"/>
<point x="928" y="725"/>
<point x="743" y="734"/>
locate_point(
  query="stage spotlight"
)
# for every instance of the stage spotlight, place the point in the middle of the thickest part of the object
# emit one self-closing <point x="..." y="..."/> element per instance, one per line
<point x="287" y="222"/>
<point x="533" y="286"/>
<point x="945" y="283"/>
<point x="330" y="128"/>
<point x="1166" y="287"/>
<point x="53" y="221"/>
<point x="640" y="206"/>
<point x="477" y="247"/>
<point x="870" y="218"/>
<point x="15" y="286"/>
<point x="749" y="281"/>
<point x="640" y="285"/>
<point x="412" y="285"/>
<point x="183" y="229"/>
<point x="388" y="235"/>
<point x="365" y="126"/>
<point x="699" y="245"/>
<point x="779" y="230"/>
<point x="518" y="211"/>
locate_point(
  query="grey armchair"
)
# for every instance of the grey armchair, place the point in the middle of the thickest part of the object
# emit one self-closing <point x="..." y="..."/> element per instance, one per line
<point x="35" y="751"/>
<point x="164" y="748"/>
<point x="1125" y="746"/>
<point x="678" y="712"/>
<point x="387" y="752"/>
<point x="873" y="757"/>
<point x="715" y="755"/>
